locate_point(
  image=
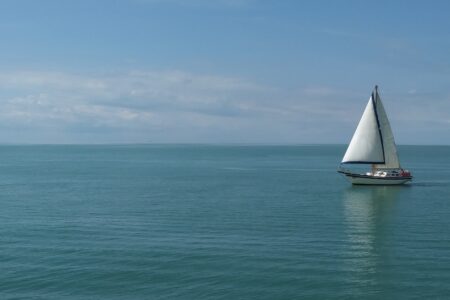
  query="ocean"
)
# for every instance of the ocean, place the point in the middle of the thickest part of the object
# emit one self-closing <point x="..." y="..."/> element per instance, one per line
<point x="219" y="222"/>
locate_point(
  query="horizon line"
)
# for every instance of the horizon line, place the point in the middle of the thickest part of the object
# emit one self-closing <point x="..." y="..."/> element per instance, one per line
<point x="198" y="144"/>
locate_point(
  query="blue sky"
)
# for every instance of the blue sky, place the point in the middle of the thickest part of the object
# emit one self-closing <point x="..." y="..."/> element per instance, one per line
<point x="221" y="71"/>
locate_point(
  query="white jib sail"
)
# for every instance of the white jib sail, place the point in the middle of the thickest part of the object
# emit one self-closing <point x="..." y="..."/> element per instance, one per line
<point x="390" y="149"/>
<point x="366" y="146"/>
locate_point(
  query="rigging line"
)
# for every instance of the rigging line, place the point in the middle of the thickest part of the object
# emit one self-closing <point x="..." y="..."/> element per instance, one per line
<point x="378" y="121"/>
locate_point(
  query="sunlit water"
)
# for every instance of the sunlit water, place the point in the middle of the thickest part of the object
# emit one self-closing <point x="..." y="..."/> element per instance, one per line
<point x="218" y="222"/>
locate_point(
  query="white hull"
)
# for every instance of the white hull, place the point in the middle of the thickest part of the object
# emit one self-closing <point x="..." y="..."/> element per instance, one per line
<point x="375" y="180"/>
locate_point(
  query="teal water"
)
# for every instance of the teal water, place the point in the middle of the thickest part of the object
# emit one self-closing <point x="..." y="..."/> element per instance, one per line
<point x="218" y="222"/>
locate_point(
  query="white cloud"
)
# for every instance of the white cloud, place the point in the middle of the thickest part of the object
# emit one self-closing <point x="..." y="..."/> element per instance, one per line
<point x="134" y="90"/>
<point x="177" y="106"/>
<point x="170" y="101"/>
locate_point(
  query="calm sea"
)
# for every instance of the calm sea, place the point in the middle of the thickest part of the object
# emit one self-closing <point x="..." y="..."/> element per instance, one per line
<point x="218" y="222"/>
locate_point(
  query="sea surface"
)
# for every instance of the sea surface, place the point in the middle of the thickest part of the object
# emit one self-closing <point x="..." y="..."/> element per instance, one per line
<point x="219" y="222"/>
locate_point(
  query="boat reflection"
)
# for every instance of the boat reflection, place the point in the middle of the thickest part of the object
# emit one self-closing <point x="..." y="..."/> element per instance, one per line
<point x="368" y="211"/>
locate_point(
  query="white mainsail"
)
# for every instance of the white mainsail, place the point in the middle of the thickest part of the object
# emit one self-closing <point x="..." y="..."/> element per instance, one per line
<point x="390" y="149"/>
<point x="373" y="141"/>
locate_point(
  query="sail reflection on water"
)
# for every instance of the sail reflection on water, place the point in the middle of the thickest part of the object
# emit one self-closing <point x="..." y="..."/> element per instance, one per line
<point x="368" y="212"/>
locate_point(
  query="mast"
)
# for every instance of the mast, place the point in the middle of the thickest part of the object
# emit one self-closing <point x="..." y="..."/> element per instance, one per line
<point x="374" y="100"/>
<point x="375" y="97"/>
<point x="390" y="156"/>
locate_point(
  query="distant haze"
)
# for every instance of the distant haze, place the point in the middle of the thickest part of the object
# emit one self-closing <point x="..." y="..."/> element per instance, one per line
<point x="223" y="71"/>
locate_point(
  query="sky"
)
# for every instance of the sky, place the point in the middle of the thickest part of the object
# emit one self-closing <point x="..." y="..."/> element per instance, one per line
<point x="221" y="71"/>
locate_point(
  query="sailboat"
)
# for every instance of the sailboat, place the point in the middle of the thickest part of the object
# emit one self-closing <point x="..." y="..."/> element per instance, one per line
<point x="373" y="144"/>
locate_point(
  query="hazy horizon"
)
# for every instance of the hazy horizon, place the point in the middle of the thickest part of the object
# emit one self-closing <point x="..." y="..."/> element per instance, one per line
<point x="221" y="72"/>
<point x="238" y="144"/>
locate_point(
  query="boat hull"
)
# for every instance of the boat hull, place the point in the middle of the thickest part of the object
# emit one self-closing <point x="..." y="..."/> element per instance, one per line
<point x="361" y="179"/>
